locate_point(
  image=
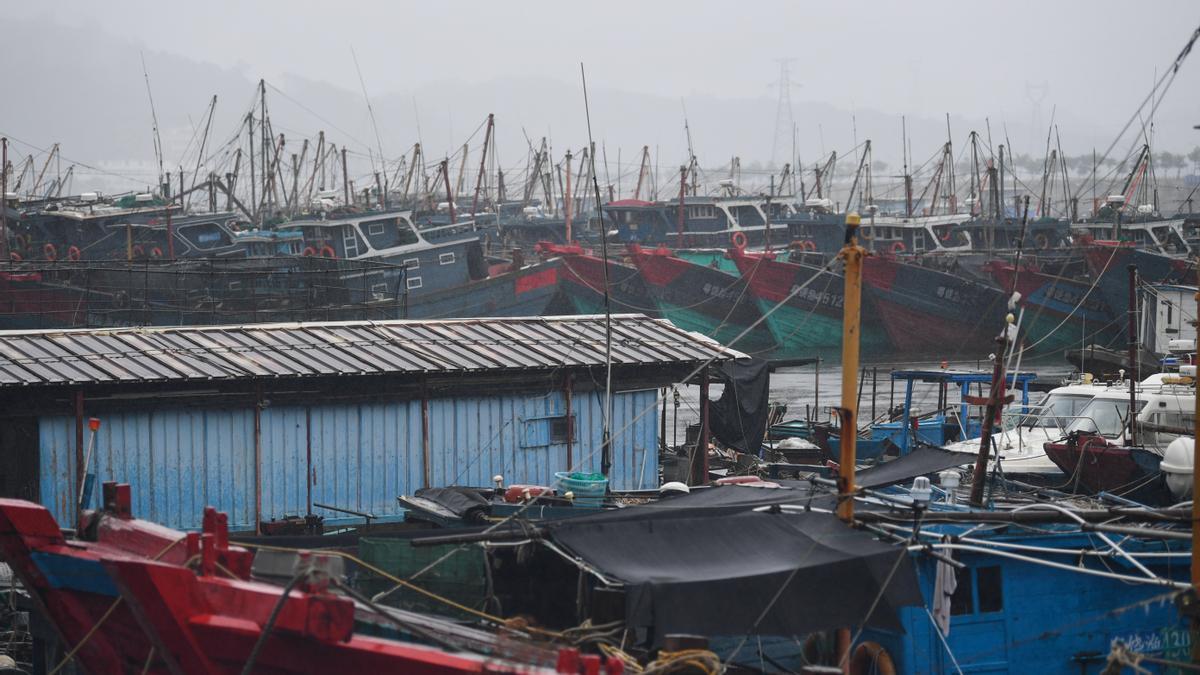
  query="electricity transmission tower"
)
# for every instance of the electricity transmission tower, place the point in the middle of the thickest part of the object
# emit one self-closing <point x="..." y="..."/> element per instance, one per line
<point x="784" y="120"/>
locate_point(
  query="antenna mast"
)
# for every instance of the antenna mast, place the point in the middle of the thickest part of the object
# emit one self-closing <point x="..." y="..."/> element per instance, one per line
<point x="158" y="154"/>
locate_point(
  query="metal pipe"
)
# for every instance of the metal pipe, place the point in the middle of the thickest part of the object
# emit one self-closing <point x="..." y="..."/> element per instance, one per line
<point x="700" y="473"/>
<point x="1133" y="359"/>
<point x="1156" y="581"/>
<point x="258" y="405"/>
<point x="568" y="391"/>
<point x="426" y="453"/>
<point x="78" y="455"/>
<point x="309" y="477"/>
<point x="1194" y="624"/>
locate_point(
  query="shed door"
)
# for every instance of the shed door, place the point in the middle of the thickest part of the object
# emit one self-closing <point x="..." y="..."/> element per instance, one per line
<point x="19" y="458"/>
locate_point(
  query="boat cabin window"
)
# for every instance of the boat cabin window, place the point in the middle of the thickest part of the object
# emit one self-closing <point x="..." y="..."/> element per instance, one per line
<point x="1170" y="239"/>
<point x="1104" y="416"/>
<point x="702" y="212"/>
<point x="1166" y="427"/>
<point x="205" y="235"/>
<point x="991" y="589"/>
<point x="747" y="216"/>
<point x="1057" y="411"/>
<point x="918" y="240"/>
<point x="979" y="589"/>
<point x="385" y="233"/>
<point x="963" y="600"/>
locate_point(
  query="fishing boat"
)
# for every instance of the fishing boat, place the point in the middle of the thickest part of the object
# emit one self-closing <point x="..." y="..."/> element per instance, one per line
<point x="703" y="300"/>
<point x="132" y="595"/>
<point x="1059" y="313"/>
<point x="1109" y="262"/>
<point x="582" y="282"/>
<point x="925" y="310"/>
<point x="802" y="302"/>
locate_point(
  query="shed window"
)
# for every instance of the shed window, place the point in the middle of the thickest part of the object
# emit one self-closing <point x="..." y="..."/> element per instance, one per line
<point x="543" y="431"/>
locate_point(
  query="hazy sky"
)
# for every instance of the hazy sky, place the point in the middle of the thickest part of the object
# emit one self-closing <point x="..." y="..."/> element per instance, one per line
<point x="921" y="57"/>
<point x="1094" y="60"/>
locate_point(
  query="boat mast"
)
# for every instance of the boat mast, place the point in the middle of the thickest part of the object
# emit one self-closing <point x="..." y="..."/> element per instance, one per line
<point x="642" y="170"/>
<point x="449" y="190"/>
<point x="487" y="137"/>
<point x="4" y="200"/>
<point x="568" y="197"/>
<point x="683" y="173"/>
<point x="908" y="203"/>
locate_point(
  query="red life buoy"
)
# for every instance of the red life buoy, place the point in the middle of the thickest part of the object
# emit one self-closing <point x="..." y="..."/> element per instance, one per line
<point x="328" y="252"/>
<point x="138" y="251"/>
<point x="310" y="251"/>
<point x="156" y="253"/>
<point x="945" y="236"/>
<point x="14" y="256"/>
<point x="809" y="245"/>
<point x="49" y="252"/>
<point x="738" y="239"/>
<point x="74" y="254"/>
<point x="897" y="247"/>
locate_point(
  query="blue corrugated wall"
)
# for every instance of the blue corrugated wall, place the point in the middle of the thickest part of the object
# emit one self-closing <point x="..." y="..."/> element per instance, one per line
<point x="364" y="455"/>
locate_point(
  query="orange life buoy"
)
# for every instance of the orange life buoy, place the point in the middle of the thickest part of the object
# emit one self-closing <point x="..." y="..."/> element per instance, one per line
<point x="74" y="254"/>
<point x="738" y="239"/>
<point x="156" y="253"/>
<point x="897" y="247"/>
<point x="49" y="252"/>
<point x="328" y="252"/>
<point x="871" y="657"/>
<point x="809" y="245"/>
<point x="310" y="251"/>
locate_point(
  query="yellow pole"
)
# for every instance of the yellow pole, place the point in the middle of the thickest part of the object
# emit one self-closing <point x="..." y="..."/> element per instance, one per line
<point x="852" y="258"/>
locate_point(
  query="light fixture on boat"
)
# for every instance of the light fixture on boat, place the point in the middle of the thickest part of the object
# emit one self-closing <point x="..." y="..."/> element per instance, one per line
<point x="949" y="480"/>
<point x="921" y="491"/>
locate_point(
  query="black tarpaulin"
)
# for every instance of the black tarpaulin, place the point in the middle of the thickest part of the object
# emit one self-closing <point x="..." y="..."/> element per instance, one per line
<point x="920" y="462"/>
<point x="714" y="571"/>
<point x="461" y="501"/>
<point x="739" y="417"/>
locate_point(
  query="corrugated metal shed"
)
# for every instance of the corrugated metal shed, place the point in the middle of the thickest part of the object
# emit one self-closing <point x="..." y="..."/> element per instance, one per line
<point x="298" y="350"/>
<point x="359" y="456"/>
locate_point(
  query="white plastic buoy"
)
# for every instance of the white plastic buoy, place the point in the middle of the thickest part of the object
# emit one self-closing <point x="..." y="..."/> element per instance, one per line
<point x="1177" y="465"/>
<point x="674" y="487"/>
